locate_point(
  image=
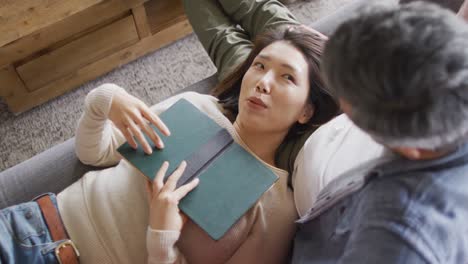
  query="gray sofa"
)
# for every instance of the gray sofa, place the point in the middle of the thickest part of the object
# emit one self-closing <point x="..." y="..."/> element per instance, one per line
<point x="58" y="167"/>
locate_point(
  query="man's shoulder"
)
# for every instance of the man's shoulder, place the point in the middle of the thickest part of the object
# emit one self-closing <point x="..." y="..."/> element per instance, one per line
<point x="428" y="186"/>
<point x="431" y="180"/>
<point x="426" y="209"/>
<point x="425" y="201"/>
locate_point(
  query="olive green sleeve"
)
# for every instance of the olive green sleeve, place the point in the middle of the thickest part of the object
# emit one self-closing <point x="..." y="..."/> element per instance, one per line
<point x="227" y="44"/>
<point x="256" y="16"/>
<point x="226" y="28"/>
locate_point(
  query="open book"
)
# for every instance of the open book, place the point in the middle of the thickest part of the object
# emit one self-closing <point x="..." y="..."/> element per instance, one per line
<point x="231" y="179"/>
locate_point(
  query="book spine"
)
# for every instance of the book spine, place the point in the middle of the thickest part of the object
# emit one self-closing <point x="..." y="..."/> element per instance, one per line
<point x="198" y="161"/>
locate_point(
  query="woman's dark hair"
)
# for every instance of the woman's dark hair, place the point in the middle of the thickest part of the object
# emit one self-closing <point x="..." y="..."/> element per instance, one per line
<point x="311" y="45"/>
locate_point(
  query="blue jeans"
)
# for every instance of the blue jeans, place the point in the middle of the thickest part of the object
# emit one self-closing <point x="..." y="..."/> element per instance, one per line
<point x="24" y="236"/>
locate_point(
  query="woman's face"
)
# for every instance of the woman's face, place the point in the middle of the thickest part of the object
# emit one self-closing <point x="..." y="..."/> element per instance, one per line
<point x="274" y="90"/>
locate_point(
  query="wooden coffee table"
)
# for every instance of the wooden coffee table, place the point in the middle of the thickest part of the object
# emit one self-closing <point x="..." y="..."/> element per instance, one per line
<point x="48" y="47"/>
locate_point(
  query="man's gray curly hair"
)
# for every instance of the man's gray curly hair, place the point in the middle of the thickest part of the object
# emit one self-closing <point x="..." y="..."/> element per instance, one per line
<point x="404" y="71"/>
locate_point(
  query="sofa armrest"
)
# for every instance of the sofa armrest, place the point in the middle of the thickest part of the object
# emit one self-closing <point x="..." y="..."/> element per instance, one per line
<point x="50" y="171"/>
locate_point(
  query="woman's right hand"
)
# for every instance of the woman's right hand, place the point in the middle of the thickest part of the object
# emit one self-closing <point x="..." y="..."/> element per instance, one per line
<point x="130" y="115"/>
<point x="164" y="199"/>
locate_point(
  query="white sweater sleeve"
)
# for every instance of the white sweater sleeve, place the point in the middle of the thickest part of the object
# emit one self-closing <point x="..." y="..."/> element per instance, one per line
<point x="97" y="139"/>
<point x="161" y="247"/>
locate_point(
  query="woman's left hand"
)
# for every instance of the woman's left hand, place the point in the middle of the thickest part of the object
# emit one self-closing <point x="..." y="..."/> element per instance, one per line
<point x="164" y="199"/>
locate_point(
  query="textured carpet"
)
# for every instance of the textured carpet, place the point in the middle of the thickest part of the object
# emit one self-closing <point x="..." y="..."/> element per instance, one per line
<point x="150" y="78"/>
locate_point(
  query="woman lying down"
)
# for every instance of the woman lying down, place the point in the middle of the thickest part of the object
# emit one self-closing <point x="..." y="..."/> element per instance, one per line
<point x="114" y="216"/>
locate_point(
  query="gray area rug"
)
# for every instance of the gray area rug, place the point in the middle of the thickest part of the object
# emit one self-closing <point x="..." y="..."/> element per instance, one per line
<point x="151" y="78"/>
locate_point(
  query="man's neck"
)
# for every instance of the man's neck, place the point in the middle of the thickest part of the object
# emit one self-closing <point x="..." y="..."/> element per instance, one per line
<point x="463" y="12"/>
<point x="264" y="145"/>
<point x="420" y="154"/>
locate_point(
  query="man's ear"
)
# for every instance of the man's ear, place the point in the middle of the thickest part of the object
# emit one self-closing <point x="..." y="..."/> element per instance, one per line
<point x="419" y="154"/>
<point x="409" y="153"/>
<point x="307" y="113"/>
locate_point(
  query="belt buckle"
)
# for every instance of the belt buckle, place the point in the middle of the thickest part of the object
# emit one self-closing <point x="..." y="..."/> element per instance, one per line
<point x="64" y="244"/>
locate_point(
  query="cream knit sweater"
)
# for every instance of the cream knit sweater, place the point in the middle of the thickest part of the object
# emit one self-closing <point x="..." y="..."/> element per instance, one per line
<point x="106" y="211"/>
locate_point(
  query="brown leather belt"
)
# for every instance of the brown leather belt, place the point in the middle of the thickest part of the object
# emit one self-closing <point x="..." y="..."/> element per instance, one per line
<point x="66" y="252"/>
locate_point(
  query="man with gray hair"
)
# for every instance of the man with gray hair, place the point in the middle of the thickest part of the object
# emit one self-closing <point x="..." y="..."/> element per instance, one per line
<point x="400" y="73"/>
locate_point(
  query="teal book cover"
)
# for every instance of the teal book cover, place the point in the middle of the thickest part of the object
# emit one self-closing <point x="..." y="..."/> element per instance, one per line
<point x="231" y="179"/>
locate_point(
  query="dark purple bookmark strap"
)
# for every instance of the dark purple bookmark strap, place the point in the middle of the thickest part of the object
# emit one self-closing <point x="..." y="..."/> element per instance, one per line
<point x="204" y="156"/>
